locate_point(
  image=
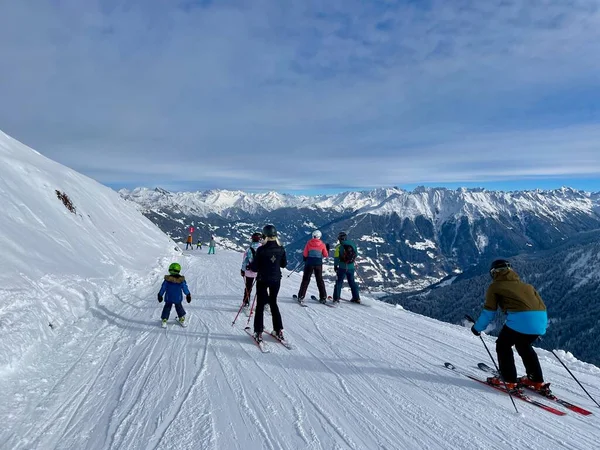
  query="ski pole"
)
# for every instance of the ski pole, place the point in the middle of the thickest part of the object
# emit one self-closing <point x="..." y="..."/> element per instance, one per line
<point x="571" y="373"/>
<point x="245" y="293"/>
<point x="251" y="311"/>
<point x="295" y="268"/>
<point x="470" y="319"/>
<point x="238" y="313"/>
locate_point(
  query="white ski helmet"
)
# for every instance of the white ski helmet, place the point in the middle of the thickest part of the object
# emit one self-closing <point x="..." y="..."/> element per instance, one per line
<point x="317" y="234"/>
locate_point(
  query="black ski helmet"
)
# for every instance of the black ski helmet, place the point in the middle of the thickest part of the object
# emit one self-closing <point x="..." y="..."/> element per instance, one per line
<point x="342" y="236"/>
<point x="269" y="231"/>
<point x="499" y="264"/>
<point x="256" y="237"/>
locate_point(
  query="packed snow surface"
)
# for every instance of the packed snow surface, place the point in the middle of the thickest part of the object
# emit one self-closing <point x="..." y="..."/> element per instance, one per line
<point x="360" y="377"/>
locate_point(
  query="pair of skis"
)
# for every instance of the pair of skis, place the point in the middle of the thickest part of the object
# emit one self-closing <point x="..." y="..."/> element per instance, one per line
<point x="522" y="396"/>
<point x="313" y="297"/>
<point x="183" y="324"/>
<point x="300" y="302"/>
<point x="263" y="346"/>
<point x="330" y="304"/>
<point x="549" y="395"/>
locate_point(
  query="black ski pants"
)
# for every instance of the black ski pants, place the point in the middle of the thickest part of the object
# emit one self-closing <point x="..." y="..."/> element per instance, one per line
<point x="308" y="271"/>
<point x="167" y="310"/>
<point x="266" y="292"/>
<point x="249" y="283"/>
<point x="523" y="344"/>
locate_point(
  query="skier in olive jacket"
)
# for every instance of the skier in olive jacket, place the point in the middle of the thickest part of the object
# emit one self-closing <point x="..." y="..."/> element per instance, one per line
<point x="526" y="320"/>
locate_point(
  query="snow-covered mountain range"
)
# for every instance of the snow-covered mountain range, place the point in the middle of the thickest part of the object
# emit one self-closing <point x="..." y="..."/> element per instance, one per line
<point x="85" y="365"/>
<point x="406" y="239"/>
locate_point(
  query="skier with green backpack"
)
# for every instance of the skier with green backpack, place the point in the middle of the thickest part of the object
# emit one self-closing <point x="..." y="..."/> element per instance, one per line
<point x="345" y="254"/>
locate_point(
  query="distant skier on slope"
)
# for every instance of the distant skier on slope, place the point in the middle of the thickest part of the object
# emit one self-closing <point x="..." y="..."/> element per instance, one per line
<point x="171" y="289"/>
<point x="199" y="244"/>
<point x="189" y="243"/>
<point x="211" y="246"/>
<point x="269" y="260"/>
<point x="343" y="263"/>
<point x="246" y="271"/>
<point x="313" y="254"/>
<point x="526" y="320"/>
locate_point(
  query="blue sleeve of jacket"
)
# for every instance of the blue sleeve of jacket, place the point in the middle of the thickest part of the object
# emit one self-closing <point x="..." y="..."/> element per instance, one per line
<point x="163" y="288"/>
<point x="246" y="259"/>
<point x="484" y="319"/>
<point x="184" y="286"/>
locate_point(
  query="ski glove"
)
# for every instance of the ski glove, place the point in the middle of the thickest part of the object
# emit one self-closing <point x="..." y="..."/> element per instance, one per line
<point x="243" y="273"/>
<point x="188" y="298"/>
<point x="160" y="298"/>
<point x="474" y="331"/>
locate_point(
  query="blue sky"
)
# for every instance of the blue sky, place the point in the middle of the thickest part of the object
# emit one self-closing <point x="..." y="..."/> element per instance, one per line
<point x="310" y="96"/>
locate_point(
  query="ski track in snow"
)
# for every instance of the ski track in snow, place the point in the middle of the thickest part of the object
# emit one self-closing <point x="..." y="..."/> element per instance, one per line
<point x="357" y="378"/>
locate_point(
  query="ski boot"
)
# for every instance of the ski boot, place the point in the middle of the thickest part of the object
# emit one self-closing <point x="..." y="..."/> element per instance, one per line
<point x="258" y="337"/>
<point x="355" y="300"/>
<point x="513" y="388"/>
<point x="538" y="386"/>
<point x="163" y="323"/>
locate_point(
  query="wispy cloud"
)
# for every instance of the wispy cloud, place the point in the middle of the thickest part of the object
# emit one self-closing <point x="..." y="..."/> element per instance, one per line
<point x="297" y="95"/>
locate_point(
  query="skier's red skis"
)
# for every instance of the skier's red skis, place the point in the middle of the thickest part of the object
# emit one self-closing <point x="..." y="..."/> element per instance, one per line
<point x="554" y="398"/>
<point x="523" y="397"/>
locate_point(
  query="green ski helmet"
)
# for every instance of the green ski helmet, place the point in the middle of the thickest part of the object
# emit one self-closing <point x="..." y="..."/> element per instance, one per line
<point x="174" y="269"/>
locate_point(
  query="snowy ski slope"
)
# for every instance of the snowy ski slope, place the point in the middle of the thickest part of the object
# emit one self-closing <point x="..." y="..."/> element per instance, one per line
<point x="359" y="378"/>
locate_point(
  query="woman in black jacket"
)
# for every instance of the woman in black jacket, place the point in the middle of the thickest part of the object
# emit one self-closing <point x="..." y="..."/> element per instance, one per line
<point x="269" y="260"/>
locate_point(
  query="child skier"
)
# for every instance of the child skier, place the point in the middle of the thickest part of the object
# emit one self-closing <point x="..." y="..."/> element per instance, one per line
<point x="171" y="289"/>
<point x="246" y="271"/>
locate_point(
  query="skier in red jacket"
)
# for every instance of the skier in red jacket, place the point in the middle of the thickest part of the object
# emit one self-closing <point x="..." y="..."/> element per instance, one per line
<point x="313" y="254"/>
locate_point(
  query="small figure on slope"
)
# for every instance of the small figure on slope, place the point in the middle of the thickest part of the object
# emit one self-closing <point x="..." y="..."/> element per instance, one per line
<point x="171" y="290"/>
<point x="199" y="244"/>
<point x="345" y="254"/>
<point x="246" y="271"/>
<point x="526" y="320"/>
<point x="269" y="260"/>
<point x="211" y="246"/>
<point x="313" y="254"/>
<point x="189" y="243"/>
